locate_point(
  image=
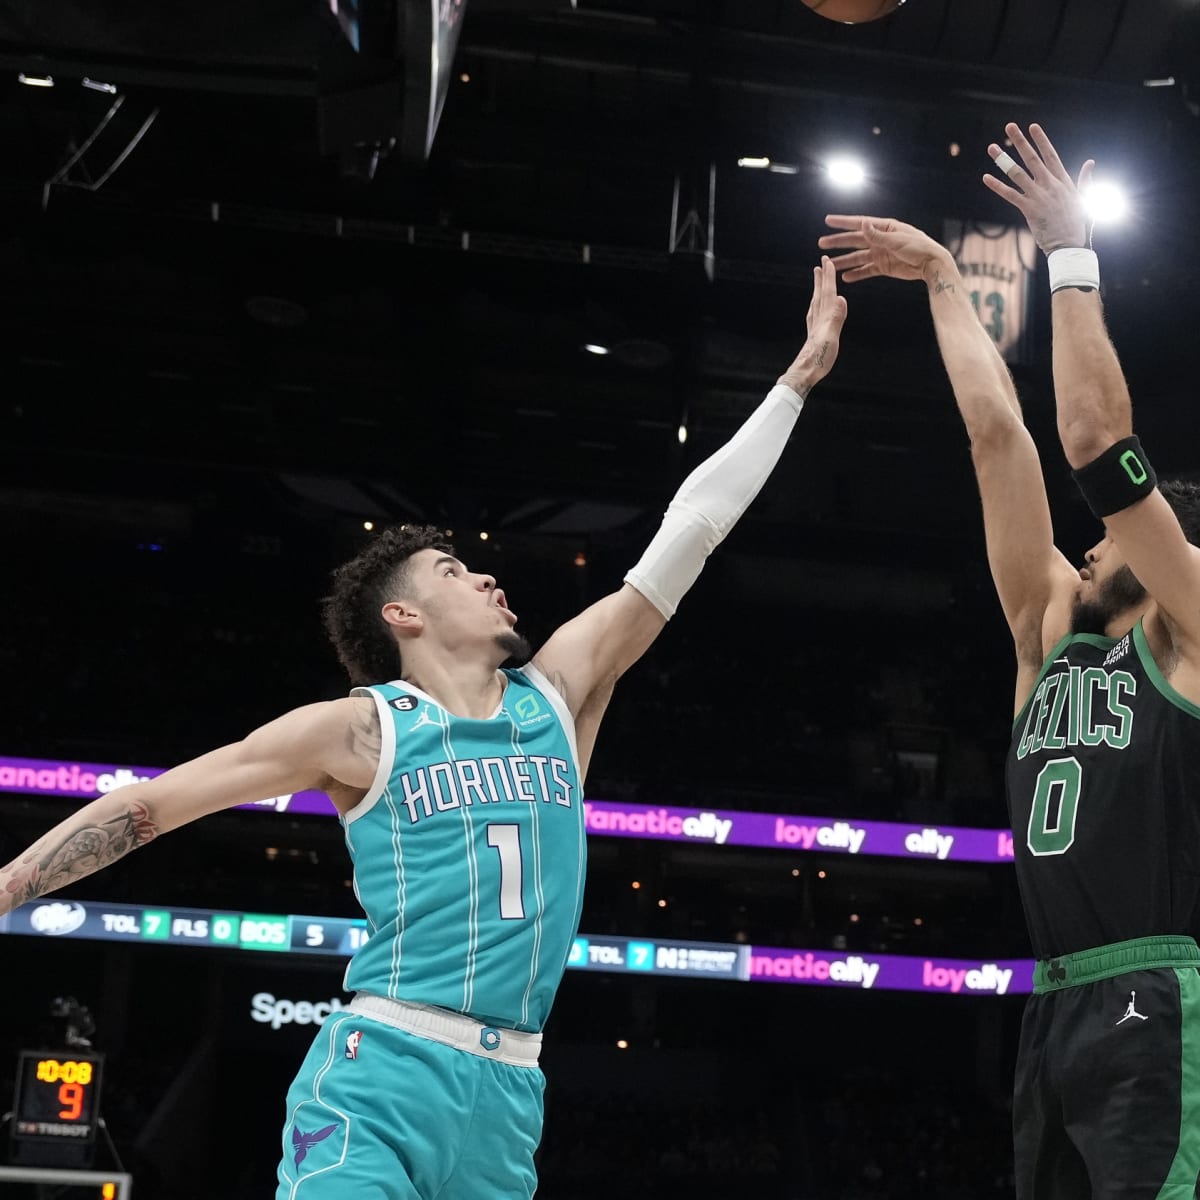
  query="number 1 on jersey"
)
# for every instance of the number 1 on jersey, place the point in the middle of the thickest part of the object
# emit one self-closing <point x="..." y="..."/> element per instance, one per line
<point x="506" y="840"/>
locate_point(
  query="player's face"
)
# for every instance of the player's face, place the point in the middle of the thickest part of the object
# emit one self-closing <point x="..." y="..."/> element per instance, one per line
<point x="1107" y="588"/>
<point x="464" y="608"/>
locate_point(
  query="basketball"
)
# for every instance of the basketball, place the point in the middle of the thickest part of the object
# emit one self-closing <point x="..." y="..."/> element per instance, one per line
<point x="853" y="12"/>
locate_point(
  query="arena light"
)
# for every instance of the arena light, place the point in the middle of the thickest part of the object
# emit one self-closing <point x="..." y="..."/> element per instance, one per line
<point x="846" y="172"/>
<point x="757" y="164"/>
<point x="95" y="85"/>
<point x="1106" y="203"/>
<point x="595" y="348"/>
<point x="35" y="80"/>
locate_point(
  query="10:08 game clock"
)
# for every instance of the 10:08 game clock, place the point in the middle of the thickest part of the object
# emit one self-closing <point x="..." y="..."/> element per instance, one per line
<point x="57" y="1097"/>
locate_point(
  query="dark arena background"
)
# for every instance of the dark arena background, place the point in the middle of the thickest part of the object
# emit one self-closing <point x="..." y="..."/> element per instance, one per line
<point x="277" y="275"/>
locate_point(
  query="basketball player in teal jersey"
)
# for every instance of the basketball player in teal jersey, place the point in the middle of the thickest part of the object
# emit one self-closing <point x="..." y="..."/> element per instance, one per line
<point x="460" y="787"/>
<point x="1103" y="775"/>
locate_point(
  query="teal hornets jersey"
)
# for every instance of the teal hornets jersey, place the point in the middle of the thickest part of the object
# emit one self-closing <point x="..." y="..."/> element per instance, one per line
<point x="469" y="854"/>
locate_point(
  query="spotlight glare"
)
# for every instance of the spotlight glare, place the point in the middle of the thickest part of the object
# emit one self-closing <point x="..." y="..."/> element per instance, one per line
<point x="36" y="80"/>
<point x="757" y="164"/>
<point x="846" y="172"/>
<point x="622" y="1044"/>
<point x="483" y="535"/>
<point x="682" y="434"/>
<point x="595" y="348"/>
<point x="1106" y="203"/>
<point x="368" y="525"/>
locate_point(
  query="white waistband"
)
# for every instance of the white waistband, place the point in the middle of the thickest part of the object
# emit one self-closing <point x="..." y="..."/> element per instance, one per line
<point x="451" y="1029"/>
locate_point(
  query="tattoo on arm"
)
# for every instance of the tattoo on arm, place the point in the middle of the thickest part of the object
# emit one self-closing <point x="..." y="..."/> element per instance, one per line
<point x="364" y="736"/>
<point x="940" y="285"/>
<point x="821" y="356"/>
<point x="560" y="686"/>
<point x="73" y="851"/>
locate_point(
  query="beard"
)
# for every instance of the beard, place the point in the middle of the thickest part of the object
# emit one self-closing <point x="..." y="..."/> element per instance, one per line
<point x="516" y="648"/>
<point x="1117" y="594"/>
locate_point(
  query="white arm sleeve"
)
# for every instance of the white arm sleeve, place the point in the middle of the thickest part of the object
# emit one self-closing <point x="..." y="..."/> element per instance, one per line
<point x="711" y="499"/>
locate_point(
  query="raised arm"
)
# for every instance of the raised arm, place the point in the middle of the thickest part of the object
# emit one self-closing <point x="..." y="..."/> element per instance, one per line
<point x="585" y="657"/>
<point x="311" y="747"/>
<point x="1034" y="581"/>
<point x="1093" y="404"/>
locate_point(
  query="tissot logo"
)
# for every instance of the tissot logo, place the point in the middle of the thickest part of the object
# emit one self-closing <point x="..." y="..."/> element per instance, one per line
<point x="405" y="703"/>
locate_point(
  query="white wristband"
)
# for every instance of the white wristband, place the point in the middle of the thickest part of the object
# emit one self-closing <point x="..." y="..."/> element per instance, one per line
<point x="1073" y="266"/>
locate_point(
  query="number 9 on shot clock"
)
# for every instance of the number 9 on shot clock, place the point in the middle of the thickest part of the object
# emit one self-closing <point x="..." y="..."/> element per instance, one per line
<point x="58" y="1096"/>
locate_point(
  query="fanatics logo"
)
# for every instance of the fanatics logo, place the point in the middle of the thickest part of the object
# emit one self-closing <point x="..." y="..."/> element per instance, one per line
<point x="405" y="703"/>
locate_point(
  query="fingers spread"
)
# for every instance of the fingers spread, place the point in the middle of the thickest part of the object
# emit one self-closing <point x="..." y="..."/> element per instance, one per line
<point x="855" y="258"/>
<point x="1048" y="153"/>
<point x="1005" y="192"/>
<point x="841" y="241"/>
<point x="1023" y="146"/>
<point x="841" y="221"/>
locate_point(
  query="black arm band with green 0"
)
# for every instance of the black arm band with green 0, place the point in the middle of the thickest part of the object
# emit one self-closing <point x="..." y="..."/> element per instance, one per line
<point x="1119" y="477"/>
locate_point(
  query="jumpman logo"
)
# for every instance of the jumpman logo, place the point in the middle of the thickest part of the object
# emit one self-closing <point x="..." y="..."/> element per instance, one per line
<point x="425" y="718"/>
<point x="1132" y="1011"/>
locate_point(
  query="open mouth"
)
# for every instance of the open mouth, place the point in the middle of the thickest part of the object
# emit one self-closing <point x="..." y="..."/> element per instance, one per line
<point x="499" y="602"/>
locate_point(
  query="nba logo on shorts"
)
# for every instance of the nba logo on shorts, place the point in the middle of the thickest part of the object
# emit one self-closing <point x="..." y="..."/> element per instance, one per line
<point x="352" y="1043"/>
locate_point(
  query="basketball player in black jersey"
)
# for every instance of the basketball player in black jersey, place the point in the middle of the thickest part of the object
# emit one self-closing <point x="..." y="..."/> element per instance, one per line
<point x="1103" y="775"/>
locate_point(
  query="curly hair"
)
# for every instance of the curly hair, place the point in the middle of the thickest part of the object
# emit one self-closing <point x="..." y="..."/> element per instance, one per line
<point x="1184" y="499"/>
<point x="361" y="587"/>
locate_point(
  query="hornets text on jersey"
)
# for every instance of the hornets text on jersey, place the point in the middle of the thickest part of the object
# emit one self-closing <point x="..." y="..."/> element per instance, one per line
<point x="469" y="854"/>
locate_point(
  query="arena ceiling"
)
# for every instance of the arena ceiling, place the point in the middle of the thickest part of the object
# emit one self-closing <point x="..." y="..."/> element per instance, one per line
<point x="275" y="284"/>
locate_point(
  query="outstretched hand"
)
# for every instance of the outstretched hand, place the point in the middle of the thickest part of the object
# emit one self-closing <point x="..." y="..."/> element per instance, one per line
<point x="880" y="246"/>
<point x="826" y="316"/>
<point x="1042" y="190"/>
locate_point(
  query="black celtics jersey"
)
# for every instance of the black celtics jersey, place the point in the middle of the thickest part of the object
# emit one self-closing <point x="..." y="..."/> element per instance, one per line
<point x="1104" y="797"/>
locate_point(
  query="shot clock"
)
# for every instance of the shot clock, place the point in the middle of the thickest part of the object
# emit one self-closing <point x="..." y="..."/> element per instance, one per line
<point x="58" y="1096"/>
